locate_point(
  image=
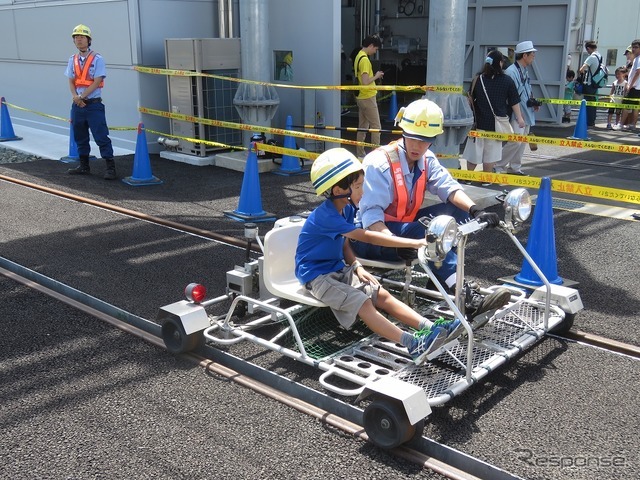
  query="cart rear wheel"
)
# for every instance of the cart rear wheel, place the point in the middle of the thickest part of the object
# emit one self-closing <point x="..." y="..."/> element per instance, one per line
<point x="565" y="325"/>
<point x="387" y="425"/>
<point x="175" y="338"/>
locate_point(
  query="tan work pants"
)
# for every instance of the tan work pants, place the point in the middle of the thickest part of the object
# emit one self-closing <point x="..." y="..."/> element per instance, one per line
<point x="368" y="117"/>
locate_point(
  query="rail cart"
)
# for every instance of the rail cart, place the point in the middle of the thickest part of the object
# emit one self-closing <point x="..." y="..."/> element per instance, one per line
<point x="357" y="363"/>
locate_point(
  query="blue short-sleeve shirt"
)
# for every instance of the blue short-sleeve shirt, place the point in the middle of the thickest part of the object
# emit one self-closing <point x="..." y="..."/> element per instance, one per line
<point x="321" y="241"/>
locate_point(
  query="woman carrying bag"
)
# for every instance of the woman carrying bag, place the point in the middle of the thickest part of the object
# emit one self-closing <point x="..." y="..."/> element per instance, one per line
<point x="492" y="93"/>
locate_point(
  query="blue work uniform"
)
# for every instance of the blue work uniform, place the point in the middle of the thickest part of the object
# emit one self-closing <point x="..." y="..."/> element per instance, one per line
<point x="92" y="116"/>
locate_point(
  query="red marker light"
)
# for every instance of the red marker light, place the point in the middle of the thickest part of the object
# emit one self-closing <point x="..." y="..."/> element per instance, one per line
<point x="195" y="292"/>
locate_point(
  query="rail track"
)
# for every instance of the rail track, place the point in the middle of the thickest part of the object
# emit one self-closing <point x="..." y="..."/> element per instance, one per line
<point x="334" y="413"/>
<point x="584" y="338"/>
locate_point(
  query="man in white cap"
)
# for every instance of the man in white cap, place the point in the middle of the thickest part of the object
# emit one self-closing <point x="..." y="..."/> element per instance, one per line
<point x="512" y="151"/>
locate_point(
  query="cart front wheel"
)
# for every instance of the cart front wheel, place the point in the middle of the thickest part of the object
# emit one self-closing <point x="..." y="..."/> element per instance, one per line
<point x="175" y="338"/>
<point x="387" y="425"/>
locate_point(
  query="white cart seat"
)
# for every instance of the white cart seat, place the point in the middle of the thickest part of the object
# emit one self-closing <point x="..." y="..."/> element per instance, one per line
<point x="279" y="266"/>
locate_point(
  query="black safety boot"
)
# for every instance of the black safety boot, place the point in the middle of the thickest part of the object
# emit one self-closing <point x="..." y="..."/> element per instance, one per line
<point x="110" y="173"/>
<point x="480" y="308"/>
<point x="82" y="169"/>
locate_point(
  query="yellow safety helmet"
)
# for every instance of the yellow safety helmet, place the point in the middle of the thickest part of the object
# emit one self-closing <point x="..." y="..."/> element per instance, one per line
<point x="421" y="120"/>
<point x="81" y="30"/>
<point x="288" y="58"/>
<point x="331" y="167"/>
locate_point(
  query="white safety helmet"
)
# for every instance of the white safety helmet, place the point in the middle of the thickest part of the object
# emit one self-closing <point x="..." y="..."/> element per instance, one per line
<point x="421" y="120"/>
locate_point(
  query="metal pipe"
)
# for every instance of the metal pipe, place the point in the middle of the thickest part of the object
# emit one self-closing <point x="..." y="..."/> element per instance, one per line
<point x="222" y="19"/>
<point x="230" y="17"/>
<point x="256" y="104"/>
<point x="447" y="26"/>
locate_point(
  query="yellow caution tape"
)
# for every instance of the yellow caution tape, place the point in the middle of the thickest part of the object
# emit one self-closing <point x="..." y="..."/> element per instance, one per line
<point x="400" y="88"/>
<point x="287" y="151"/>
<point x="347" y="129"/>
<point x="36" y="112"/>
<point x="561" y="142"/>
<point x="591" y="103"/>
<point x="571" y="188"/>
<point x="251" y="128"/>
<point x="196" y="140"/>
<point x="54" y="117"/>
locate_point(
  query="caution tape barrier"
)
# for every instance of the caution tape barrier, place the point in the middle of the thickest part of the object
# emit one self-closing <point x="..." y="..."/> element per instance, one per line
<point x="247" y="127"/>
<point x="398" y="88"/>
<point x="560" y="142"/>
<point x="592" y="103"/>
<point x="36" y="112"/>
<point x="54" y="117"/>
<point x="572" y="188"/>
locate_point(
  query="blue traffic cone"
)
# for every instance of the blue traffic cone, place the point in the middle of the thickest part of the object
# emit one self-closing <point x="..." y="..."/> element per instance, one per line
<point x="6" y="129"/>
<point x="580" y="132"/>
<point x="541" y="245"/>
<point x="290" y="164"/>
<point x="141" y="164"/>
<point x="250" y="204"/>
<point x="73" y="156"/>
<point x="393" y="107"/>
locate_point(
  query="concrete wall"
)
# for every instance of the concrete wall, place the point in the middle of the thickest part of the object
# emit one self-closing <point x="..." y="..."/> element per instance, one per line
<point x="36" y="45"/>
<point x="311" y="29"/>
<point x="617" y="25"/>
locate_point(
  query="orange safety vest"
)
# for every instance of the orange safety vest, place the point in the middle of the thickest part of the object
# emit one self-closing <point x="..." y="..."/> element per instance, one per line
<point x="403" y="208"/>
<point x="82" y="78"/>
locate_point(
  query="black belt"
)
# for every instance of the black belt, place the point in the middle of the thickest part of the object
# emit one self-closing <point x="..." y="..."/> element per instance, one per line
<point x="92" y="100"/>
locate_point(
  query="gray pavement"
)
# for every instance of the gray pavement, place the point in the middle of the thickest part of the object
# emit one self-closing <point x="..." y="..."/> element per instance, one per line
<point x="86" y="401"/>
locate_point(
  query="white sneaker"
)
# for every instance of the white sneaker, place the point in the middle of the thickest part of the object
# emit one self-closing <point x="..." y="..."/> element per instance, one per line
<point x="616" y="126"/>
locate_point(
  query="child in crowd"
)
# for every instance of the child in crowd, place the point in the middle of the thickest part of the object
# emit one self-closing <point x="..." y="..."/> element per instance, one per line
<point x="617" y="94"/>
<point x="569" y="88"/>
<point x="327" y="266"/>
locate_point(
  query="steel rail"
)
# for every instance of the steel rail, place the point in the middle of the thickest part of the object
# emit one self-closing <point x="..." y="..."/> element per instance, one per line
<point x="577" y="336"/>
<point x="596" y="341"/>
<point x="134" y="214"/>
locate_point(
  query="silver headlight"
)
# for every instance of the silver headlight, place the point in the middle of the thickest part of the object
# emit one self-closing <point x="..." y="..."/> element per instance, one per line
<point x="517" y="206"/>
<point x="442" y="234"/>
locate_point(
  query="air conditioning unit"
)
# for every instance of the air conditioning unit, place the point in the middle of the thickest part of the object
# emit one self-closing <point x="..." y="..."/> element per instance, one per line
<point x="204" y="97"/>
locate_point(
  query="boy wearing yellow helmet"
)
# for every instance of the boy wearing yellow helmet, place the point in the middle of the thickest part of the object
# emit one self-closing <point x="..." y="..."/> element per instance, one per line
<point x="327" y="266"/>
<point x="86" y="72"/>
<point x="397" y="176"/>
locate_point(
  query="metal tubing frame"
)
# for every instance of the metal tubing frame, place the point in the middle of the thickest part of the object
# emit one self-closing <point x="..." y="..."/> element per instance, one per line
<point x="301" y="356"/>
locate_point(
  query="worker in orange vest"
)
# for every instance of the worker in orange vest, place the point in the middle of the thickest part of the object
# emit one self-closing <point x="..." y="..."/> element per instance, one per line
<point x="86" y="71"/>
<point x="396" y="178"/>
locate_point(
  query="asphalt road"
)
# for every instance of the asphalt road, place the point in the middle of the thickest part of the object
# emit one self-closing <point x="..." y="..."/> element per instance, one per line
<point x="83" y="400"/>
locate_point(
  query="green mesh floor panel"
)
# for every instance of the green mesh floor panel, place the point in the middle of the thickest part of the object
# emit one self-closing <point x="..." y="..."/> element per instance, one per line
<point x="322" y="335"/>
